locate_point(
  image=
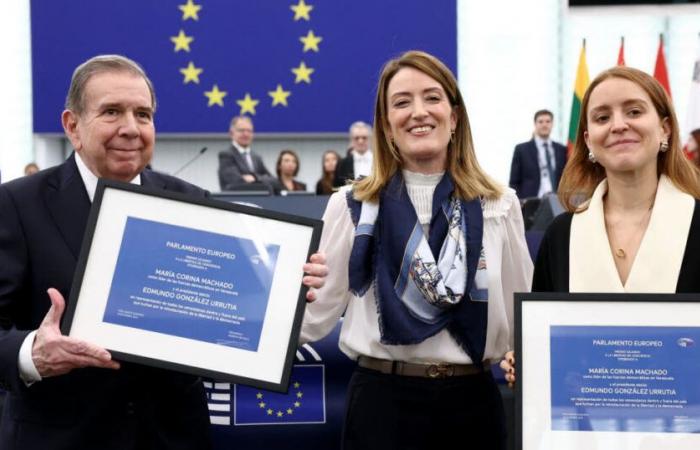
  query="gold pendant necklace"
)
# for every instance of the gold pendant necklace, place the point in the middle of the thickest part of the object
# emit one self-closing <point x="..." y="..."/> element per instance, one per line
<point x="620" y="252"/>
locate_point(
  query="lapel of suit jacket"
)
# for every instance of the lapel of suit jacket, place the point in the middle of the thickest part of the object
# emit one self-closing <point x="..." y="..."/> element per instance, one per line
<point x="150" y="179"/>
<point x="241" y="161"/>
<point x="657" y="264"/>
<point x="68" y="203"/>
<point x="534" y="154"/>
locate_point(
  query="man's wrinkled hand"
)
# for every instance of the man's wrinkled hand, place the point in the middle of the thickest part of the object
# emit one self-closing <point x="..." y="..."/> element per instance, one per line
<point x="54" y="354"/>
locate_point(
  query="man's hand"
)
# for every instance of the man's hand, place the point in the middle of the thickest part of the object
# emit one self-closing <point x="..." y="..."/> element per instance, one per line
<point x="316" y="271"/>
<point x="248" y="178"/>
<point x="55" y="354"/>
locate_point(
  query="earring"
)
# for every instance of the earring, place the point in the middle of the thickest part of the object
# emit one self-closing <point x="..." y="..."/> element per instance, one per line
<point x="591" y="157"/>
<point x="452" y="135"/>
<point x="663" y="147"/>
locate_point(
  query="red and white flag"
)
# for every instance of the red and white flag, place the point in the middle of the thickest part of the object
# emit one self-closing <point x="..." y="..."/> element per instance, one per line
<point x="660" y="72"/>
<point x="621" y="53"/>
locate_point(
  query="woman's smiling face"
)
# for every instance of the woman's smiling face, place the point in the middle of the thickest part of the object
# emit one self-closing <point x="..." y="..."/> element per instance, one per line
<point x="421" y="120"/>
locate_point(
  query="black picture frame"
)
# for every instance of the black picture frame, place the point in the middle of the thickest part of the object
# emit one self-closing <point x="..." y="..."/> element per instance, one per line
<point x="536" y="313"/>
<point x="295" y="238"/>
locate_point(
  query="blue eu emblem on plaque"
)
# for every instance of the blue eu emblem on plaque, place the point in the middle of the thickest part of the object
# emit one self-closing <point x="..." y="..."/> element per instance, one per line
<point x="304" y="403"/>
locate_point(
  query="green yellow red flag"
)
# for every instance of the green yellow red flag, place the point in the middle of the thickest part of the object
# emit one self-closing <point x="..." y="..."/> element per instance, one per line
<point x="582" y="82"/>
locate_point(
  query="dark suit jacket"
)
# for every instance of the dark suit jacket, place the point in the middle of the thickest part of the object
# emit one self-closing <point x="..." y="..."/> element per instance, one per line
<point x="232" y="167"/>
<point x="525" y="168"/>
<point x="42" y="222"/>
<point x="345" y="171"/>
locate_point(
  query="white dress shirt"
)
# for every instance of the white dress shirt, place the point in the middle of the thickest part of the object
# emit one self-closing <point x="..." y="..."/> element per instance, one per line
<point x="362" y="164"/>
<point x="27" y="369"/>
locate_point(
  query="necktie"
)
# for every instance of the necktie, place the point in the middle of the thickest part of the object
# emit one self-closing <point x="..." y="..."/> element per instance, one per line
<point x="249" y="160"/>
<point x="550" y="168"/>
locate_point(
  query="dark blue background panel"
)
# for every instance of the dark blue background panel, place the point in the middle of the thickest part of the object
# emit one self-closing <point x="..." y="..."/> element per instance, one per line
<point x="242" y="47"/>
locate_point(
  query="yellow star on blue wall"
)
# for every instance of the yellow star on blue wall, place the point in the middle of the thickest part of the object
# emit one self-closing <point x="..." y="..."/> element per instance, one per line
<point x="310" y="41"/>
<point x="191" y="73"/>
<point x="247" y="104"/>
<point x="190" y="10"/>
<point x="182" y="41"/>
<point x="301" y="10"/>
<point x="279" y="96"/>
<point x="215" y="96"/>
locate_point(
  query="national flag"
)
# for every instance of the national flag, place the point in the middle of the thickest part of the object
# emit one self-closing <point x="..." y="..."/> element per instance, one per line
<point x="693" y="117"/>
<point x="621" y="53"/>
<point x="303" y="403"/>
<point x="295" y="66"/>
<point x="660" y="72"/>
<point x="580" y="86"/>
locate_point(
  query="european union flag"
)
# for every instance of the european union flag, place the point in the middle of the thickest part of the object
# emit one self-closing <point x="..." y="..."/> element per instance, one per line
<point x="295" y="65"/>
<point x="303" y="403"/>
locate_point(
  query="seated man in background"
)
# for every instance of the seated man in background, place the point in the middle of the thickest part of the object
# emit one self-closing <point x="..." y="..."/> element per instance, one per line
<point x="239" y="166"/>
<point x="358" y="162"/>
<point x="538" y="163"/>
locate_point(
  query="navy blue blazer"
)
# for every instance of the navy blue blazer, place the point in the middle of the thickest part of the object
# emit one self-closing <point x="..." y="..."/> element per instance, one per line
<point x="42" y="222"/>
<point x="525" y="168"/>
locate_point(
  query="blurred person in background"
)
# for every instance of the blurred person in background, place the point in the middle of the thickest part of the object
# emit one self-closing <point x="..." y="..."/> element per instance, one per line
<point x="31" y="169"/>
<point x="329" y="163"/>
<point x="239" y="165"/>
<point x="358" y="162"/>
<point x="287" y="169"/>
<point x="537" y="164"/>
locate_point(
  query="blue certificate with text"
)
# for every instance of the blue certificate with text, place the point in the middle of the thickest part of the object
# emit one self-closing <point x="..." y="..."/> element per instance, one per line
<point x="190" y="283"/>
<point x="625" y="378"/>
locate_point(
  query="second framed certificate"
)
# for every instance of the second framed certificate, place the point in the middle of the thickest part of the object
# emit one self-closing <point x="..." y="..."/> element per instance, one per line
<point x="194" y="285"/>
<point x="607" y="371"/>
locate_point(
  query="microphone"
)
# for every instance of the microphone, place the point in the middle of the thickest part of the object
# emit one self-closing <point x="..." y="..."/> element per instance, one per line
<point x="201" y="152"/>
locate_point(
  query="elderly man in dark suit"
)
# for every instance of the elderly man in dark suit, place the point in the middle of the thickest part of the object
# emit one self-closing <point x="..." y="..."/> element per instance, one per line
<point x="538" y="163"/>
<point x="239" y="166"/>
<point x="358" y="161"/>
<point x="64" y="393"/>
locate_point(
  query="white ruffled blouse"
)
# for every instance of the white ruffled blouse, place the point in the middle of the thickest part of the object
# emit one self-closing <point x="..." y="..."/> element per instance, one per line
<point x="509" y="271"/>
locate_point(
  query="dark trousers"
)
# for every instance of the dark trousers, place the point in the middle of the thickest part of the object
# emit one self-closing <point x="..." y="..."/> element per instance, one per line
<point x="394" y="412"/>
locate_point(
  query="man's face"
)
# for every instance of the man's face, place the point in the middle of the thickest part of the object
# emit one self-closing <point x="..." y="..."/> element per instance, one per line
<point x="242" y="132"/>
<point x="359" y="139"/>
<point x="114" y="134"/>
<point x="543" y="125"/>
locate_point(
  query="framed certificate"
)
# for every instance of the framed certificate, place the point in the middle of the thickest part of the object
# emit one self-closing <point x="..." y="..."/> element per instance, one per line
<point x="192" y="284"/>
<point x="607" y="371"/>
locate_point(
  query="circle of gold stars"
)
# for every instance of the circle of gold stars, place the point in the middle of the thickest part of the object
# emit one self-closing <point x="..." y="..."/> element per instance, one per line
<point x="281" y="412"/>
<point x="215" y="95"/>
